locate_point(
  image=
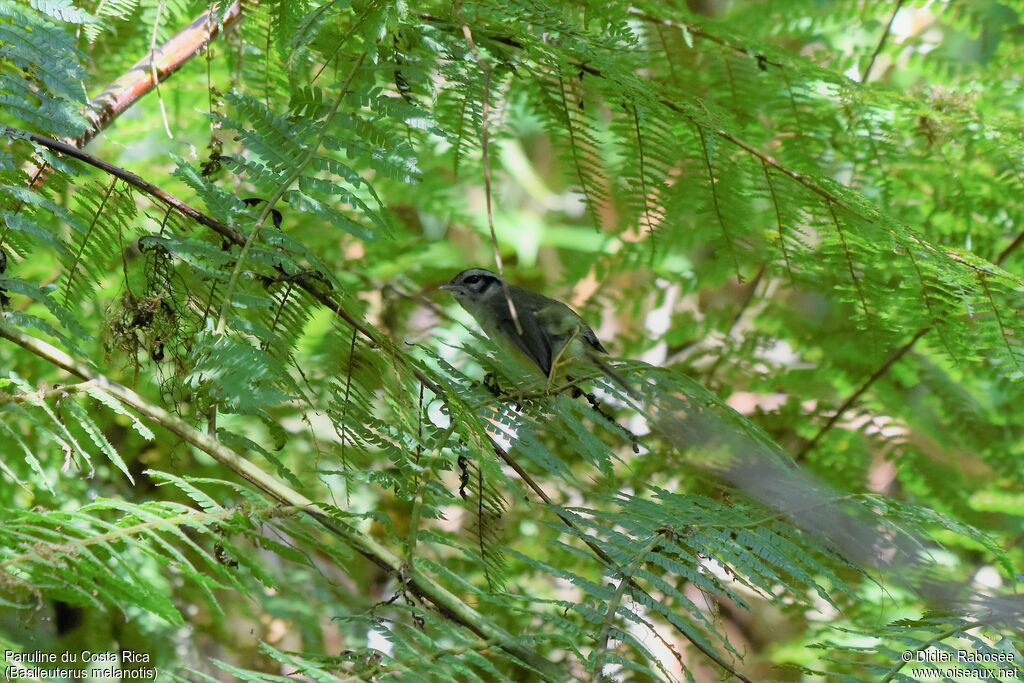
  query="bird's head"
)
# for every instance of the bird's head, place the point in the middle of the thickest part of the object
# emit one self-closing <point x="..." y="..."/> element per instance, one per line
<point x="472" y="285"/>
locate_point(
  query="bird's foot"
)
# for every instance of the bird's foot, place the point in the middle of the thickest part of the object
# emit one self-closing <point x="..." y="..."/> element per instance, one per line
<point x="514" y="395"/>
<point x="491" y="384"/>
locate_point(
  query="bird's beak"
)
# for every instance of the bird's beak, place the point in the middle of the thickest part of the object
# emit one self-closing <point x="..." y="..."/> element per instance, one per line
<point x="449" y="287"/>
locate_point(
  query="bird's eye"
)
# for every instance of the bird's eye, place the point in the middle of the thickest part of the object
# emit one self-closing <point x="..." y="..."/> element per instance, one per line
<point x="472" y="279"/>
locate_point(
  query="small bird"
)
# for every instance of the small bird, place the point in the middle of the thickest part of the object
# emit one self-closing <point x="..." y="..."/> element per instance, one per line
<point x="549" y="333"/>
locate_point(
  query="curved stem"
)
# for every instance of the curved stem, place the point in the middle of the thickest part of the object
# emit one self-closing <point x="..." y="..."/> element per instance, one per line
<point x="613" y="605"/>
<point x="268" y="206"/>
<point x="881" y="42"/>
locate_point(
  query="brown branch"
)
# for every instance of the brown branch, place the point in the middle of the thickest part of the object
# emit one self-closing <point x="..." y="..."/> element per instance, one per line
<point x="157" y="66"/>
<point x="135" y="181"/>
<point x="1010" y="248"/>
<point x="695" y="30"/>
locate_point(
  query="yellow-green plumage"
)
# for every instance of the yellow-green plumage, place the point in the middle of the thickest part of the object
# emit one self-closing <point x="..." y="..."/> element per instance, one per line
<point x="549" y="332"/>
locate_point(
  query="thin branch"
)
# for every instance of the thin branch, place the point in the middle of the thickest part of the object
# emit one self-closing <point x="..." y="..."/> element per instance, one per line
<point x="153" y="70"/>
<point x="485" y="159"/>
<point x="132" y="179"/>
<point x="1010" y="248"/>
<point x="694" y="29"/>
<point x="881" y="42"/>
<point x="734" y="325"/>
<point x="268" y="206"/>
<point x="424" y="586"/>
<point x="605" y="557"/>
<point x="58" y="391"/>
<point x="613" y="605"/>
<point x="848" y="403"/>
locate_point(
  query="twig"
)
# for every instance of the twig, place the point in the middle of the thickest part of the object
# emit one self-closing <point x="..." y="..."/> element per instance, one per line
<point x="613" y="605"/>
<point x="696" y="30"/>
<point x="132" y="179"/>
<point x="153" y="71"/>
<point x="881" y="42"/>
<point x="268" y="206"/>
<point x="737" y="318"/>
<point x="485" y="160"/>
<point x="58" y="391"/>
<point x="848" y="403"/>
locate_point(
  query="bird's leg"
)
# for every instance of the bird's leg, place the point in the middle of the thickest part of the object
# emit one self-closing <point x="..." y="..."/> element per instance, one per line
<point x="558" y="357"/>
<point x="491" y="384"/>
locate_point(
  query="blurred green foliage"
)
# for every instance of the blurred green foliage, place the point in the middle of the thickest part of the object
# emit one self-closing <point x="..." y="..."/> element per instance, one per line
<point x="799" y="217"/>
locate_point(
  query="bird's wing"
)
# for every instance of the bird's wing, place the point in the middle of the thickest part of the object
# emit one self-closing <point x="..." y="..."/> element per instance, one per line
<point x="546" y="324"/>
<point x="535" y="341"/>
<point x="562" y="324"/>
